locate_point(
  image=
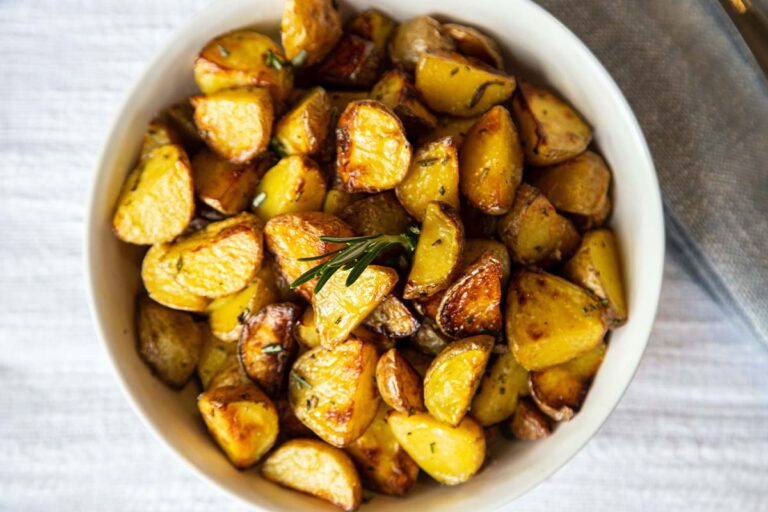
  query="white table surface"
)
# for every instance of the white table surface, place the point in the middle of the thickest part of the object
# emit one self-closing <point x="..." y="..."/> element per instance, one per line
<point x="690" y="434"/>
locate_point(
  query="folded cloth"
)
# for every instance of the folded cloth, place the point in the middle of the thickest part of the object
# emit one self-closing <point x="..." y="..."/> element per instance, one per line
<point x="702" y="102"/>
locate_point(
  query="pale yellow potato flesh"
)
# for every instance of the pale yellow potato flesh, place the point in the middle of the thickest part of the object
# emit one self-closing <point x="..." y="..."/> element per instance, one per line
<point x="432" y="176"/>
<point x="309" y="26"/>
<point x="497" y="396"/>
<point x="159" y="277"/>
<point x="294" y="184"/>
<point x="226" y="187"/>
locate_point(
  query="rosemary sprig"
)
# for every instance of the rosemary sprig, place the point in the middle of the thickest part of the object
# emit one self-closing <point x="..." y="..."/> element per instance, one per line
<point x="358" y="252"/>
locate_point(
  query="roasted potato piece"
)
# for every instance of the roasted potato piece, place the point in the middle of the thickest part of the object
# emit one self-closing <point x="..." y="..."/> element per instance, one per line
<point x="169" y="342"/>
<point x="340" y="309"/>
<point x="472" y="305"/>
<point x="213" y="357"/>
<point x="399" y="384"/>
<point x="181" y="117"/>
<point x="340" y="99"/>
<point x="220" y="259"/>
<point x="337" y="199"/>
<point x="534" y="232"/>
<point x="372" y="25"/>
<point x="243" y="58"/>
<point x="418" y="360"/>
<point x="313" y="467"/>
<point x="428" y="307"/>
<point x="305" y="331"/>
<point x="473" y="43"/>
<point x="297" y="235"/>
<point x="371" y="149"/>
<point x="376" y="215"/>
<point x="310" y="28"/>
<point x="395" y="90"/>
<point x="496" y="399"/>
<point x="432" y="176"/>
<point x="450" y="455"/>
<point x="242" y="420"/>
<point x="226" y="187"/>
<point x="294" y="184"/>
<point x="529" y="423"/>
<point x="304" y="129"/>
<point x="413" y="37"/>
<point x="460" y="86"/>
<point x="551" y="130"/>
<point x="392" y="318"/>
<point x="354" y="62"/>
<point x="456" y="127"/>
<point x="453" y="377"/>
<point x="333" y="391"/>
<point x="491" y="162"/>
<point x="438" y="253"/>
<point x="290" y="426"/>
<point x="159" y="277"/>
<point x="476" y="223"/>
<point x="560" y="391"/>
<point x="231" y="373"/>
<point x="429" y="339"/>
<point x="157" y="201"/>
<point x="550" y="321"/>
<point x="235" y="123"/>
<point x="474" y="248"/>
<point x="159" y="133"/>
<point x="383" y="464"/>
<point x="587" y="222"/>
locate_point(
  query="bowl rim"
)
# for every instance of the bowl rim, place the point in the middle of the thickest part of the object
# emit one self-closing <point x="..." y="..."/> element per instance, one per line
<point x="653" y="207"/>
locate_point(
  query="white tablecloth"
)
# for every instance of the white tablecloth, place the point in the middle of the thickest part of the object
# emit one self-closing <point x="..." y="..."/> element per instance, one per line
<point x="690" y="434"/>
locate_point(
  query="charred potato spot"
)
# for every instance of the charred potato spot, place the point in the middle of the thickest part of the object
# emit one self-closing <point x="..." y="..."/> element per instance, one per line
<point x="311" y="28"/>
<point x="497" y="397"/>
<point x="398" y="383"/>
<point x="413" y="37"/>
<point x="428" y="339"/>
<point x="376" y="215"/>
<point x="226" y="187"/>
<point x="396" y="91"/>
<point x="354" y="62"/>
<point x="473" y="43"/>
<point x="294" y="184"/>
<point x="474" y="248"/>
<point x="392" y="318"/>
<point x="372" y="25"/>
<point x="158" y="274"/>
<point x="304" y="129"/>
<point x="549" y="320"/>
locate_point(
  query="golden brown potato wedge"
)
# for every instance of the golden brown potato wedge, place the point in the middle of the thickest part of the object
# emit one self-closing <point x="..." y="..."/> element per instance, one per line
<point x="243" y="58"/>
<point x="372" y="153"/>
<point x="473" y="43"/>
<point x="333" y="391"/>
<point x="213" y="356"/>
<point x="395" y="90"/>
<point x="266" y="345"/>
<point x="372" y="25"/>
<point x="428" y="339"/>
<point x="437" y="259"/>
<point x="413" y="37"/>
<point x="450" y="455"/>
<point x="596" y="266"/>
<point x="297" y="235"/>
<point x="392" y="318"/>
<point x="231" y="373"/>
<point x="551" y="130"/>
<point x="305" y="331"/>
<point x="309" y="29"/>
<point x="383" y="464"/>
<point x="456" y="127"/>
<point x="159" y="133"/>
<point x="235" y="123"/>
<point x="294" y="184"/>
<point x="496" y="399"/>
<point x="560" y="391"/>
<point x="474" y="248"/>
<point x="491" y="162"/>
<point x="376" y="215"/>
<point x="226" y="187"/>
<point x="340" y="309"/>
<point x="313" y="467"/>
<point x="159" y="277"/>
<point x="550" y="321"/>
<point x="242" y="420"/>
<point x="399" y="385"/>
<point x="529" y="423"/>
<point x="451" y="83"/>
<point x="157" y="201"/>
<point x="168" y="341"/>
<point x="354" y="62"/>
<point x="303" y="130"/>
<point x="337" y="199"/>
<point x="220" y="259"/>
<point x="472" y="304"/>
<point x="432" y="176"/>
<point x="534" y="232"/>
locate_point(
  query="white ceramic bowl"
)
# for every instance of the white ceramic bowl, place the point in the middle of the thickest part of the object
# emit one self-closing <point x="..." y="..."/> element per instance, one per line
<point x="536" y="44"/>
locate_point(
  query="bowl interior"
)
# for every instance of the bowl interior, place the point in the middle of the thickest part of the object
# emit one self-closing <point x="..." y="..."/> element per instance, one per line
<point x="542" y="50"/>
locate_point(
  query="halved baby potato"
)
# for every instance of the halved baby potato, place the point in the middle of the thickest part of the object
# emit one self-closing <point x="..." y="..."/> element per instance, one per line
<point x="235" y="123"/>
<point x="374" y="26"/>
<point x="550" y="321"/>
<point x="353" y="62"/>
<point x="242" y="420"/>
<point x="497" y="396"/>
<point x="333" y="391"/>
<point x="473" y="43"/>
<point x="413" y="37"/>
<point x="294" y="184"/>
<point x="226" y="187"/>
<point x="372" y="153"/>
<point x="437" y="258"/>
<point x="551" y="130"/>
<point x="395" y="90"/>
<point x="378" y="214"/>
<point x="432" y="176"/>
<point x="399" y="385"/>
<point x="450" y="455"/>
<point x="392" y="318"/>
<point x="157" y="201"/>
<point x="159" y="277"/>
<point x="428" y="339"/>
<point x="309" y="29"/>
<point x="453" y="377"/>
<point x="313" y="467"/>
<point x="213" y="356"/>
<point x="303" y="130"/>
<point x="451" y="83"/>
<point x="474" y="248"/>
<point x="529" y="423"/>
<point x="491" y="162"/>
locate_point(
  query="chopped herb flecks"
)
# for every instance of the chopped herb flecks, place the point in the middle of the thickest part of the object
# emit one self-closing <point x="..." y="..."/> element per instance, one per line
<point x="260" y="197"/>
<point x="299" y="380"/>
<point x="272" y="348"/>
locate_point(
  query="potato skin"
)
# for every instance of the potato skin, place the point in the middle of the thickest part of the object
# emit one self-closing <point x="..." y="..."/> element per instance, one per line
<point x="399" y="385"/>
<point x="414" y="36"/>
<point x="473" y="43"/>
<point x="313" y="467"/>
<point x="214" y="355"/>
<point x="529" y="423"/>
<point x="159" y="277"/>
<point x="226" y="187"/>
<point x="333" y="391"/>
<point x="372" y="25"/>
<point x="474" y="248"/>
<point x="392" y="318"/>
<point x="372" y="152"/>
<point x="497" y="397"/>
<point x="395" y="90"/>
<point x="456" y="127"/>
<point x="294" y="184"/>
<point x="312" y="26"/>
<point x="428" y="339"/>
<point x="453" y="377"/>
<point x="305" y="331"/>
<point x="159" y="133"/>
<point x="354" y="62"/>
<point x="303" y="130"/>
<point x="169" y="342"/>
<point x="376" y="215"/>
<point x="549" y="320"/>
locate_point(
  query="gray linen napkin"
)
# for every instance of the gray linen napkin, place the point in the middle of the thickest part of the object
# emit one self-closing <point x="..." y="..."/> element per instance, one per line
<point x="702" y="102"/>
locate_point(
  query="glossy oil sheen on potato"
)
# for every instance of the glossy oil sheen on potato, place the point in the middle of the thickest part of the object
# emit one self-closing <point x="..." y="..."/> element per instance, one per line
<point x="294" y="184"/>
<point x="309" y="26"/>
<point x="304" y="129"/>
<point x="395" y="90"/>
<point x="399" y="385"/>
<point x="474" y="248"/>
<point x="159" y="277"/>
<point x="392" y="318"/>
<point x="497" y="396"/>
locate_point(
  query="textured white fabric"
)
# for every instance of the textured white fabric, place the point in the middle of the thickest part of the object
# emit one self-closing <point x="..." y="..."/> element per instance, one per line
<point x="690" y="434"/>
